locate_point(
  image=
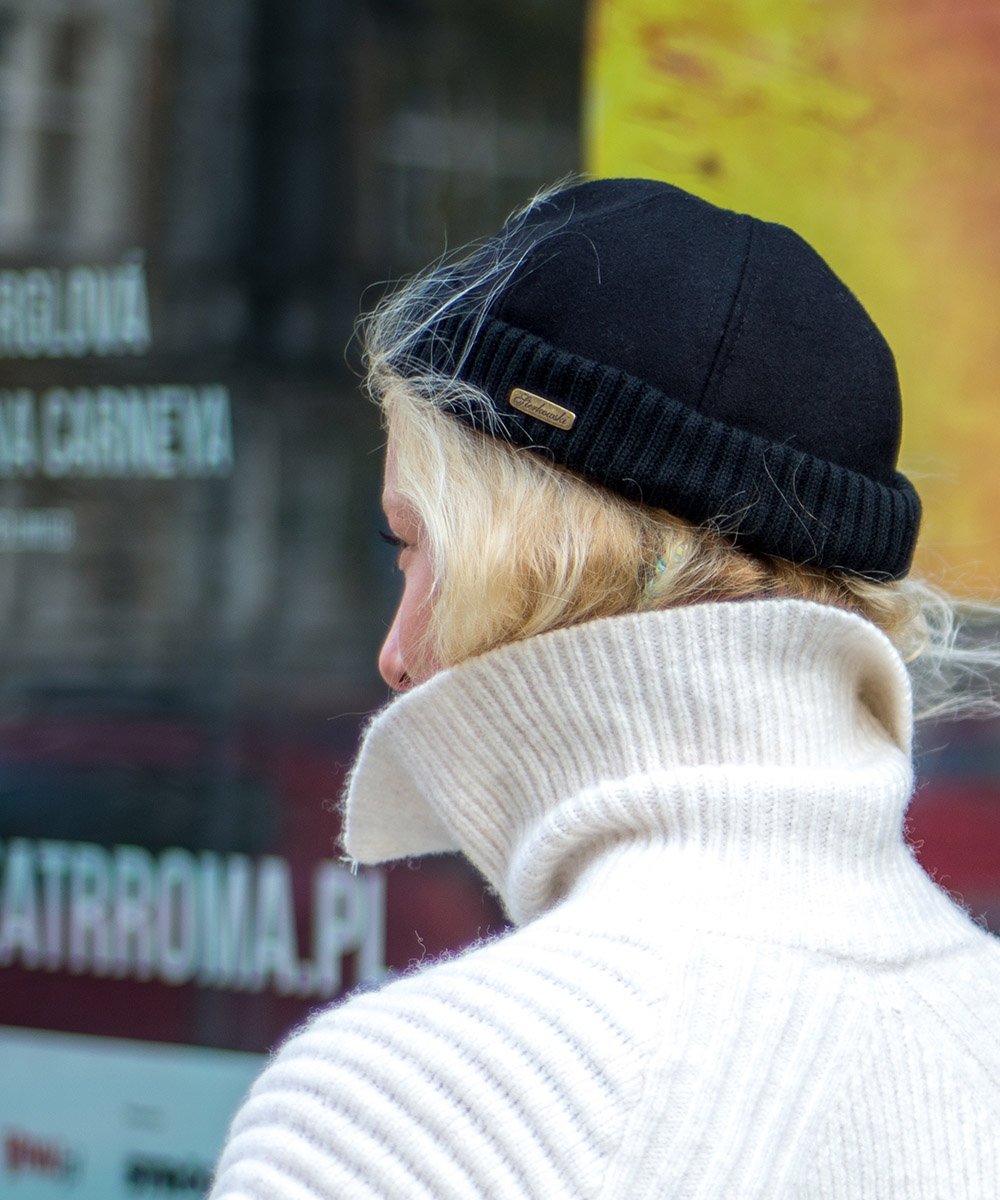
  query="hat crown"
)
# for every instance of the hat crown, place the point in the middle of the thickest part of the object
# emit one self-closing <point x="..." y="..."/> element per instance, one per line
<point x="734" y="317"/>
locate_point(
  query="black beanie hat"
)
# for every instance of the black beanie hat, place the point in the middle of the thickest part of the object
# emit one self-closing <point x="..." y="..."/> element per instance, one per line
<point x="694" y="359"/>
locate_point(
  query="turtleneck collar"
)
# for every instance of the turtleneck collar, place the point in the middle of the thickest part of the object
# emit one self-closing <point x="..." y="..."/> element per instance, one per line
<point x="750" y="741"/>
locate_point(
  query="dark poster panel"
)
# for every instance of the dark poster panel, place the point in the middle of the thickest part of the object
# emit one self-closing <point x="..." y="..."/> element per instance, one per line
<point x="193" y="199"/>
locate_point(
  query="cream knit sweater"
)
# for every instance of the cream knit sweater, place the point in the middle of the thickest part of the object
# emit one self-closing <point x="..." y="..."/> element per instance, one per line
<point x="730" y="980"/>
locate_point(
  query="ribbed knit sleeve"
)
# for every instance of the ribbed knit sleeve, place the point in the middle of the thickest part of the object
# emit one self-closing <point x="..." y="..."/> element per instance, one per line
<point x="507" y="1073"/>
<point x="917" y="1111"/>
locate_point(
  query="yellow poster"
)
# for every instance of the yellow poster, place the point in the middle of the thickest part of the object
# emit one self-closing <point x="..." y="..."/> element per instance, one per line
<point x="873" y="128"/>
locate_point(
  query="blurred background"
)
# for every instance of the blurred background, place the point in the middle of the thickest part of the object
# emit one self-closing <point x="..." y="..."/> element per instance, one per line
<point x="196" y="201"/>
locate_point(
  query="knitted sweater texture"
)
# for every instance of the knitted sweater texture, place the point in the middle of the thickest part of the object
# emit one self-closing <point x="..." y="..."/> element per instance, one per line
<point x="729" y="976"/>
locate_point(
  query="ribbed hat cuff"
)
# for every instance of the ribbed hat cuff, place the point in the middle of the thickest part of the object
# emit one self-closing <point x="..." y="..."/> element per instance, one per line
<point x="639" y="442"/>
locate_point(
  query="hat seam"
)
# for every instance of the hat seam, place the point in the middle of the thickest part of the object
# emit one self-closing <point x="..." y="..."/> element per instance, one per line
<point x="710" y="380"/>
<point x="744" y="294"/>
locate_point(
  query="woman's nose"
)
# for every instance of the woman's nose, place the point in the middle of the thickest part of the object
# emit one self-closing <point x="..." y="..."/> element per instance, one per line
<point x="390" y="662"/>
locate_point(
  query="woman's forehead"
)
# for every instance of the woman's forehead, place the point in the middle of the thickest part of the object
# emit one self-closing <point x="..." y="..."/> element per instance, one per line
<point x="393" y="503"/>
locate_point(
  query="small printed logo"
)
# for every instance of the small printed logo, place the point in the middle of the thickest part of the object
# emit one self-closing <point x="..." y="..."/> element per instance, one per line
<point x="147" y="1175"/>
<point x="27" y="1154"/>
<point x="544" y="410"/>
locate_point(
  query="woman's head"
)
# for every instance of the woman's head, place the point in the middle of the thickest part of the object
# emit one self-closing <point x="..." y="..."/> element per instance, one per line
<point x="630" y="399"/>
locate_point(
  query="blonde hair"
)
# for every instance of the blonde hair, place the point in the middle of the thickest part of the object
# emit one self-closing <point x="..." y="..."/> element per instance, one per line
<point x="521" y="546"/>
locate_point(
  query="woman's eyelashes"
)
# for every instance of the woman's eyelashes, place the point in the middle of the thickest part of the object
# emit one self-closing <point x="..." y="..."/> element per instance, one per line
<point x="399" y="543"/>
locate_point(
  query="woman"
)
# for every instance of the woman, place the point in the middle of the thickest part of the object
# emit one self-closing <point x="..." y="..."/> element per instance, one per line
<point x="641" y="476"/>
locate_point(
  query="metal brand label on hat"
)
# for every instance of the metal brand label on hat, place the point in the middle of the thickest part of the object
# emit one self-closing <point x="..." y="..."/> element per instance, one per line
<point x="544" y="410"/>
